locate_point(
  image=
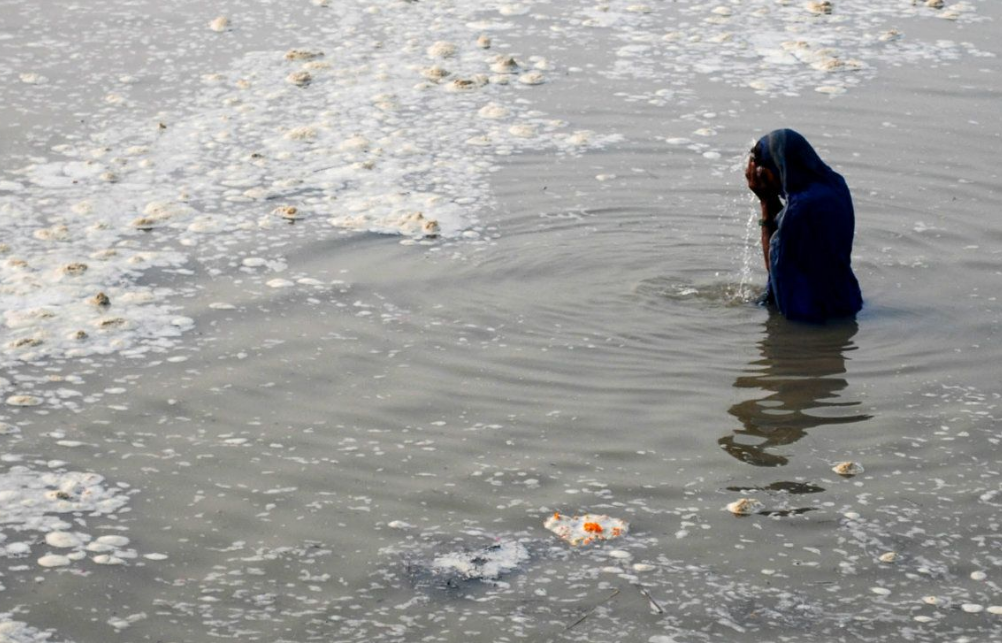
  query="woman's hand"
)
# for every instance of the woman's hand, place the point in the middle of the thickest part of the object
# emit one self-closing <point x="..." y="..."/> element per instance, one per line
<point x="762" y="182"/>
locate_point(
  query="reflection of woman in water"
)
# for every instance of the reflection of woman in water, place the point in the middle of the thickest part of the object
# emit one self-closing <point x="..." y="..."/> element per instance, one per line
<point x="807" y="241"/>
<point x="801" y="369"/>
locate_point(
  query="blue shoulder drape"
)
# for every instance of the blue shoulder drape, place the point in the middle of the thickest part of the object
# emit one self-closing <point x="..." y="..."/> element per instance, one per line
<point x="810" y="276"/>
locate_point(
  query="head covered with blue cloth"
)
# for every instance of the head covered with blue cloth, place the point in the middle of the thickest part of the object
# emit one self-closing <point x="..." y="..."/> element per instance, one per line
<point x="810" y="272"/>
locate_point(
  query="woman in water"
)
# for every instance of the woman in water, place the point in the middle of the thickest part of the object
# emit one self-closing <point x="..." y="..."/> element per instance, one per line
<point x="807" y="228"/>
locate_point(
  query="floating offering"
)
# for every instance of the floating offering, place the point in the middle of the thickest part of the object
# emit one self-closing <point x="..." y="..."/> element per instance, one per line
<point x="745" y="507"/>
<point x="848" y="469"/>
<point x="586" y="529"/>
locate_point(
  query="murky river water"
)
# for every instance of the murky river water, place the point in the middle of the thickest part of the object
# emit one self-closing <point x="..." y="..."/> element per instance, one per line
<point x="281" y="430"/>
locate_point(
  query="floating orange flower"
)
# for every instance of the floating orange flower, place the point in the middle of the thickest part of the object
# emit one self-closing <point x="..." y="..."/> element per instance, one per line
<point x="586" y="529"/>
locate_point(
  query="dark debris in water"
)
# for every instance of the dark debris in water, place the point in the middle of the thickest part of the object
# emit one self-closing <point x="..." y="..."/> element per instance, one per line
<point x="783" y="486"/>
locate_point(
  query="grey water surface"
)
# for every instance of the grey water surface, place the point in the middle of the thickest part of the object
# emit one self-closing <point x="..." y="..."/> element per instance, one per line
<point x="303" y="454"/>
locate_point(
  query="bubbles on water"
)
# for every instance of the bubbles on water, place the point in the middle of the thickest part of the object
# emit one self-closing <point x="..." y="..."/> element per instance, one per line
<point x="587" y="528"/>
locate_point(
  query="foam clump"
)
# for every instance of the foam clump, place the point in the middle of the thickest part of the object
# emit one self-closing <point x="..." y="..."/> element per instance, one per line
<point x="355" y="144"/>
<point x="113" y="541"/>
<point x="487" y="563"/>
<point x="493" y="111"/>
<point x="25" y="342"/>
<point x="820" y="7"/>
<point x="303" y="54"/>
<point x="532" y="78"/>
<point x="31" y="78"/>
<point x="54" y="560"/>
<point x="156" y="213"/>
<point x="745" y="507"/>
<point x="34" y="501"/>
<point x="289" y="212"/>
<point x="523" y="130"/>
<point x="301" y="133"/>
<point x="412" y="224"/>
<point x="24" y="400"/>
<point x="100" y="300"/>
<point x="63" y="540"/>
<point x="299" y="78"/>
<point x="442" y="49"/>
<point x="435" y="73"/>
<point x="505" y="65"/>
<point x="467" y="84"/>
<point x="848" y="469"/>
<point x="587" y="528"/>
<point x="220" y="24"/>
<point x="74" y="269"/>
<point x="55" y="233"/>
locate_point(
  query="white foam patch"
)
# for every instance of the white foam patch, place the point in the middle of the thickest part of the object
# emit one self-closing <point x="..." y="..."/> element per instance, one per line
<point x="12" y="631"/>
<point x="40" y="502"/>
<point x="361" y="141"/>
<point x="488" y="563"/>
<point x="794" y="49"/>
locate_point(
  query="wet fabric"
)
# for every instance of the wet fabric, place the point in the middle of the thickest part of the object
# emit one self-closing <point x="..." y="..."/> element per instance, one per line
<point x="810" y="276"/>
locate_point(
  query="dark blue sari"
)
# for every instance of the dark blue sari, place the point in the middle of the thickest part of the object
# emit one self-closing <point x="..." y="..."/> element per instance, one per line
<point x="810" y="275"/>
